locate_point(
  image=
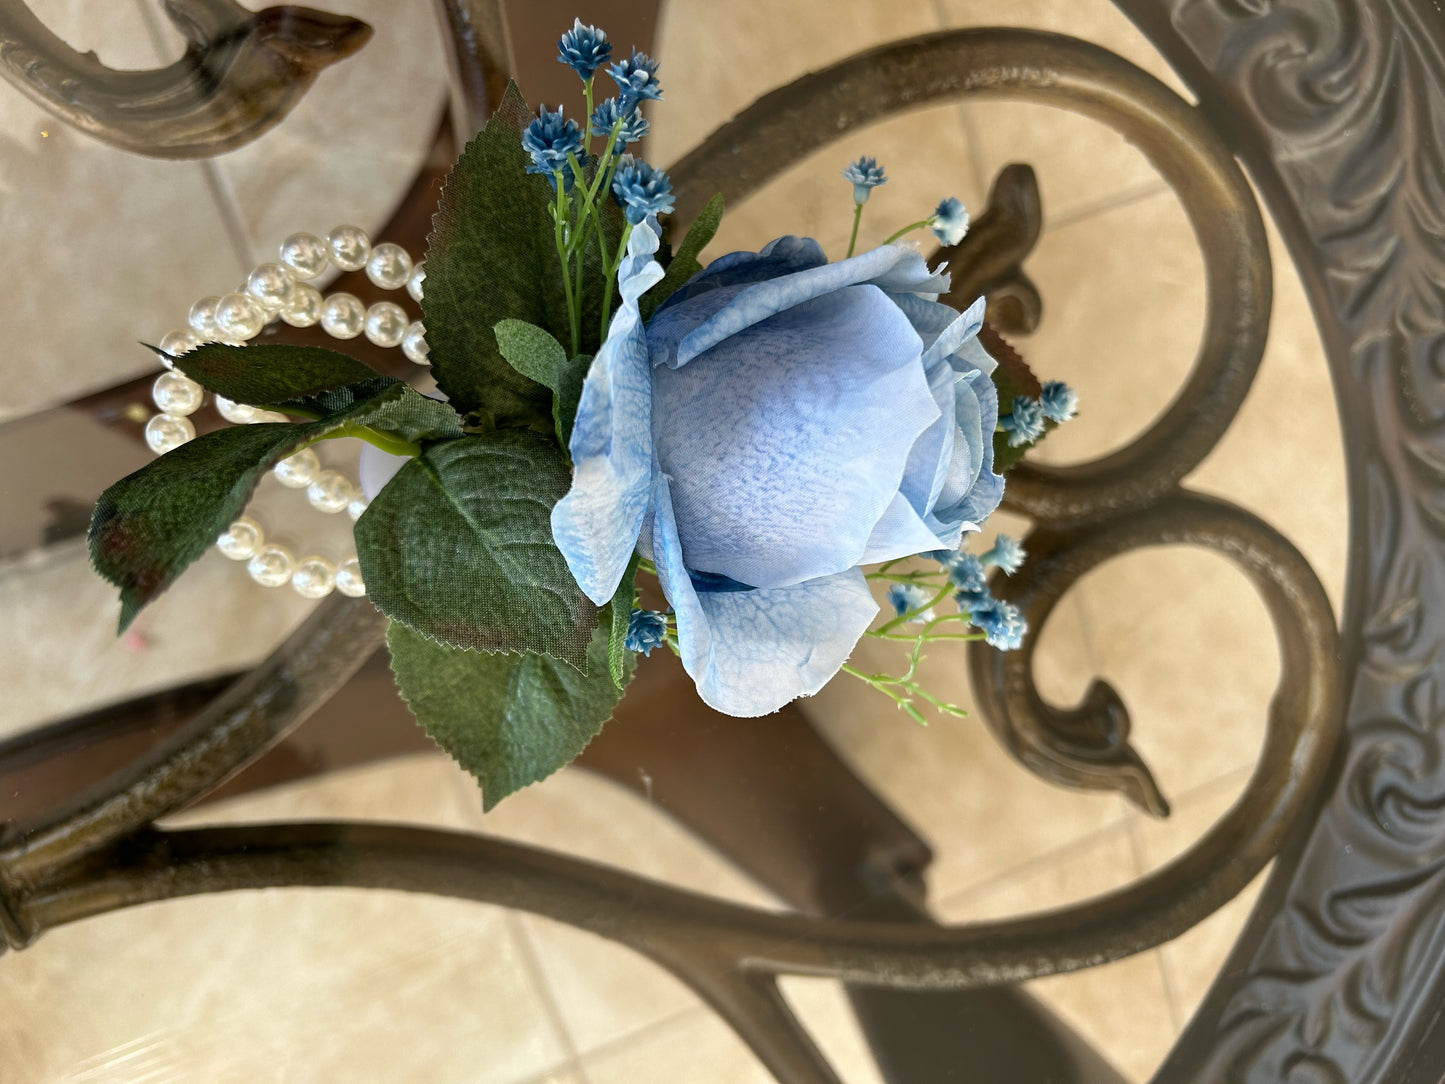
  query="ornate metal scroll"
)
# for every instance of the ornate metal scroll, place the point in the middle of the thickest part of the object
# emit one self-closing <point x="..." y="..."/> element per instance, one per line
<point x="242" y="72"/>
<point x="100" y="855"/>
<point x="1338" y="108"/>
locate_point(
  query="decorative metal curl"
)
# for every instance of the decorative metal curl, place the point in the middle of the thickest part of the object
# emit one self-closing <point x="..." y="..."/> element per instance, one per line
<point x="1088" y="746"/>
<point x="241" y="74"/>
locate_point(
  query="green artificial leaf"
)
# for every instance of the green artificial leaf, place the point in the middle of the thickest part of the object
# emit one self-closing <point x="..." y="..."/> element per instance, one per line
<point x="459" y="546"/>
<point x="620" y="618"/>
<point x="531" y="351"/>
<point x="269" y="373"/>
<point x="492" y="256"/>
<point x="685" y="261"/>
<point x="149" y="526"/>
<point x="384" y="404"/>
<point x="510" y="720"/>
<point x="567" y="395"/>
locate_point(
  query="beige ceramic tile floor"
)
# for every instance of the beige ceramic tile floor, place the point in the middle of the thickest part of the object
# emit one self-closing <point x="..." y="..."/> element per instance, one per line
<point x="330" y="985"/>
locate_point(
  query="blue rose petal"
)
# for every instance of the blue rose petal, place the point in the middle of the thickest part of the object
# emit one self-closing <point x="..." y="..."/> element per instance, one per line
<point x="597" y="523"/>
<point x="751" y="652"/>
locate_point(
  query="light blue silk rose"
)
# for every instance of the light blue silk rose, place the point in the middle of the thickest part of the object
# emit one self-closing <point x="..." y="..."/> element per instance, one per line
<point x="780" y="422"/>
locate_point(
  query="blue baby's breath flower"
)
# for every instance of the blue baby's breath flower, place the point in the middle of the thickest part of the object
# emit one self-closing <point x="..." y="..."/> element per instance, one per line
<point x="1007" y="555"/>
<point x="636" y="79"/>
<point x="646" y="629"/>
<point x="584" y="49"/>
<point x="641" y="189"/>
<point x="1001" y="623"/>
<point x="549" y="140"/>
<point x="965" y="572"/>
<point x="634" y="125"/>
<point x="865" y="175"/>
<point x="1059" y="401"/>
<point x="950" y="221"/>
<point x="1025" y="421"/>
<point x="904" y="597"/>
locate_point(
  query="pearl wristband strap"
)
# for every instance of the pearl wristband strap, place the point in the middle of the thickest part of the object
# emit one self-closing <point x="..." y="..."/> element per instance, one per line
<point x="280" y="291"/>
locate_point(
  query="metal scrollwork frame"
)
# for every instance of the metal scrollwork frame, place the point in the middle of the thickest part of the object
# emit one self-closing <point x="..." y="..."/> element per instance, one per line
<point x="1334" y="976"/>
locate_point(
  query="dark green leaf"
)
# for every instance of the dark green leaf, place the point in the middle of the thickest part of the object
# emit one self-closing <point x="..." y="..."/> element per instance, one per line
<point x="269" y="373"/>
<point x="148" y="527"/>
<point x="620" y="619"/>
<point x="567" y="396"/>
<point x="384" y="404"/>
<point x="532" y="352"/>
<point x="491" y="255"/>
<point x="685" y="262"/>
<point x="510" y="720"/>
<point x="459" y="546"/>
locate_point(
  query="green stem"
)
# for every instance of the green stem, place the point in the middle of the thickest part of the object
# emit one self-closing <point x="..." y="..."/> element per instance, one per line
<point x="587" y="120"/>
<point x="857" y="217"/>
<point x="611" y="278"/>
<point x="388" y="443"/>
<point x="644" y="565"/>
<point x="909" y="229"/>
<point x="905" y="577"/>
<point x="910" y="614"/>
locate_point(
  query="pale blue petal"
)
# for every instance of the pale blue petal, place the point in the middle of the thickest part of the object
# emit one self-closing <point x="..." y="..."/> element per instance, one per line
<point x="785" y="256"/>
<point x="751" y="652"/>
<point x="596" y="524"/>
<point x="891" y="267"/>
<point x="787" y="442"/>
<point x="902" y="532"/>
<point x="971" y="493"/>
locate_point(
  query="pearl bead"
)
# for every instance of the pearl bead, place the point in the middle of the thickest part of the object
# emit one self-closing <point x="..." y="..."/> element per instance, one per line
<point x="176" y="393"/>
<point x="167" y="431"/>
<point x="177" y="343"/>
<point x="270" y="285"/>
<point x="203" y="318"/>
<point x="314" y="577"/>
<point x="348" y="578"/>
<point x="389" y="266"/>
<point x="343" y="316"/>
<point x="330" y="491"/>
<point x="305" y="254"/>
<point x="304" y="307"/>
<point x="414" y="345"/>
<point x="356" y="506"/>
<point x="269" y="416"/>
<point x="349" y="246"/>
<point x="239" y="317"/>
<point x="271" y="565"/>
<point x="299" y="470"/>
<point x="241" y="539"/>
<point x="239" y="413"/>
<point x="386" y="323"/>
<point x="413" y="284"/>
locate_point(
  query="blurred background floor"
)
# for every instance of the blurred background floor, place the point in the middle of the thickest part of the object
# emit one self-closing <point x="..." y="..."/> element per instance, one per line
<point x="326" y="985"/>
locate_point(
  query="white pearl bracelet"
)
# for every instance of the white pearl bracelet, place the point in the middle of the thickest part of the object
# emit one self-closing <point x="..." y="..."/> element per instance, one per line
<point x="280" y="291"/>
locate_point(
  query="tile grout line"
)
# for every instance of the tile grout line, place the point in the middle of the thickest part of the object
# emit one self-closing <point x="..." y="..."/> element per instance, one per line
<point x="1104" y="204"/>
<point x="221" y="196"/>
<point x="1048" y="858"/>
<point x="1166" y="971"/>
<point x="966" y="121"/>
<point x="627" y="1038"/>
<point x="532" y="964"/>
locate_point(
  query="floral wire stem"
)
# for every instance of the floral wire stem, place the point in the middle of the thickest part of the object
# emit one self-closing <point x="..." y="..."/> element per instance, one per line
<point x="909" y="229"/>
<point x="902" y="689"/>
<point x="909" y="615"/>
<point x="561" y="219"/>
<point x="857" y="217"/>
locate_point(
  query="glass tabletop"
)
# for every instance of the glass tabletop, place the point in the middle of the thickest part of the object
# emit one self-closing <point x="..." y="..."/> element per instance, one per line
<point x="110" y="249"/>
